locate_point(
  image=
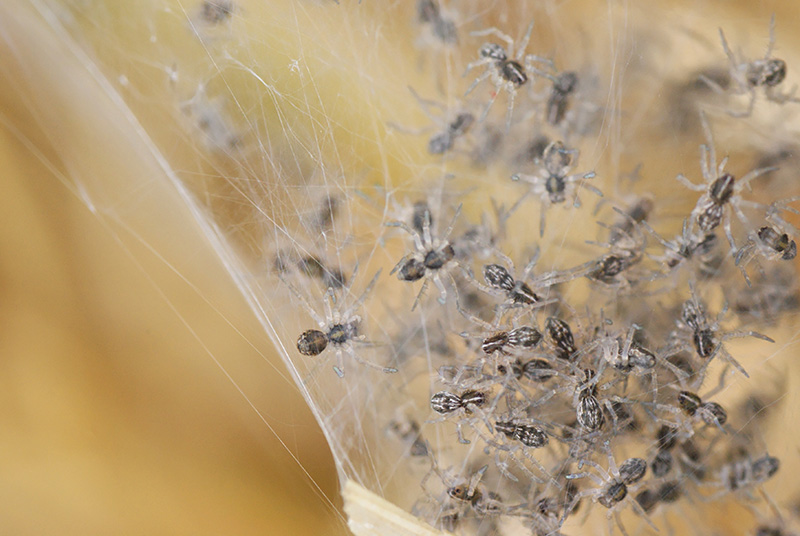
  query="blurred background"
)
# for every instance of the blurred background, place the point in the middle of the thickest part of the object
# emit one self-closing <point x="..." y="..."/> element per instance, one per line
<point x="114" y="417"/>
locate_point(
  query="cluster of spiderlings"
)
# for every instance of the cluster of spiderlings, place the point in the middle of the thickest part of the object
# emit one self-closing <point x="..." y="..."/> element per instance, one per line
<point x="542" y="401"/>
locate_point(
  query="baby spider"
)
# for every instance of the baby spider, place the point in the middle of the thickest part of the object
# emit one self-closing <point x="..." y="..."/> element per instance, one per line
<point x="442" y="28"/>
<point x="687" y="247"/>
<point x="625" y="251"/>
<point x="555" y="183"/>
<point x="614" y="485"/>
<point x="705" y="334"/>
<point x="339" y="327"/>
<point x="506" y="68"/>
<point x="518" y="293"/>
<point x="564" y="86"/>
<point x="720" y="191"/>
<point x="744" y="474"/>
<point x="217" y="11"/>
<point x="431" y="257"/>
<point x="747" y="76"/>
<point x="450" y="405"/>
<point x="451" y="126"/>
<point x="771" y="242"/>
<point x="710" y="413"/>
<point x="559" y="336"/>
<point x="466" y="496"/>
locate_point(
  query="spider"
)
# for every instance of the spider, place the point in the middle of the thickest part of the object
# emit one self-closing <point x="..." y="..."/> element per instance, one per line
<point x="444" y="29"/>
<point x="518" y="293"/>
<point x="338" y="328"/>
<point x="564" y="86"/>
<point x="559" y="336"/>
<point x="747" y="76"/>
<point x="626" y="227"/>
<point x="466" y="496"/>
<point x="686" y="247"/>
<point x="626" y="355"/>
<point x="743" y="474"/>
<point x="505" y="69"/>
<point x="311" y="266"/>
<point x="626" y="245"/>
<point x="556" y="183"/>
<point x="450" y="405"/>
<point x="451" y="126"/>
<point x="217" y="11"/>
<point x="771" y="242"/>
<point x="705" y="335"/>
<point x="709" y="412"/>
<point x="720" y="191"/>
<point x="613" y="485"/>
<point x="431" y="256"/>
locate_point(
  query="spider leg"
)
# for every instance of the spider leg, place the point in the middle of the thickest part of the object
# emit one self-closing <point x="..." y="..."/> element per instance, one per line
<point x="427" y="104"/>
<point x="712" y="152"/>
<point x="495" y="32"/>
<point x="304" y="303"/>
<point x="716" y="88"/>
<point x="483" y="76"/>
<point x="728" y="233"/>
<point x="745" y="181"/>
<point x="512" y="93"/>
<point x="362" y="361"/>
<point x="589" y="187"/>
<point x="542" y="214"/>
<point x="771" y="43"/>
<point x="689" y="184"/>
<point x="523" y="44"/>
<point x="488" y="107"/>
<point x="419" y="295"/>
<point x="338" y="368"/>
<point x="750" y="106"/>
<point x="414" y="234"/>
<point x="728" y="51"/>
<point x="364" y="295"/>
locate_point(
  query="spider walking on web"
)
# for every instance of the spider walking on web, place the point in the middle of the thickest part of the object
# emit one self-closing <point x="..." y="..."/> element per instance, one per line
<point x="339" y="327"/>
<point x="508" y="68"/>
<point x="432" y="256"/>
<point x="747" y="76"/>
<point x="555" y="182"/>
<point x="721" y="191"/>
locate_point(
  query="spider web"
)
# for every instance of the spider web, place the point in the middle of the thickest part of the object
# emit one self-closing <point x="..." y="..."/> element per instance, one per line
<point x="294" y="140"/>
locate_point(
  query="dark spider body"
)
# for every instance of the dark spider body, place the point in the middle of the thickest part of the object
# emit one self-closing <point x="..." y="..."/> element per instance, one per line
<point x="518" y="292"/>
<point x="412" y="270"/>
<point x="524" y="337"/>
<point x="689" y="402"/>
<point x="632" y="470"/>
<point x="662" y="463"/>
<point x="780" y="243"/>
<point x="711" y="212"/>
<point x="528" y="435"/>
<point x="666" y="437"/>
<point x="510" y="70"/>
<point x="538" y="370"/>
<point x="436" y="259"/>
<point x="559" y="335"/>
<point x="613" y="494"/>
<point x="563" y="86"/>
<point x="769" y="73"/>
<point x="443" y="141"/>
<point x="588" y="412"/>
<point x="648" y="500"/>
<point x="713" y="414"/>
<point x="312" y="342"/>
